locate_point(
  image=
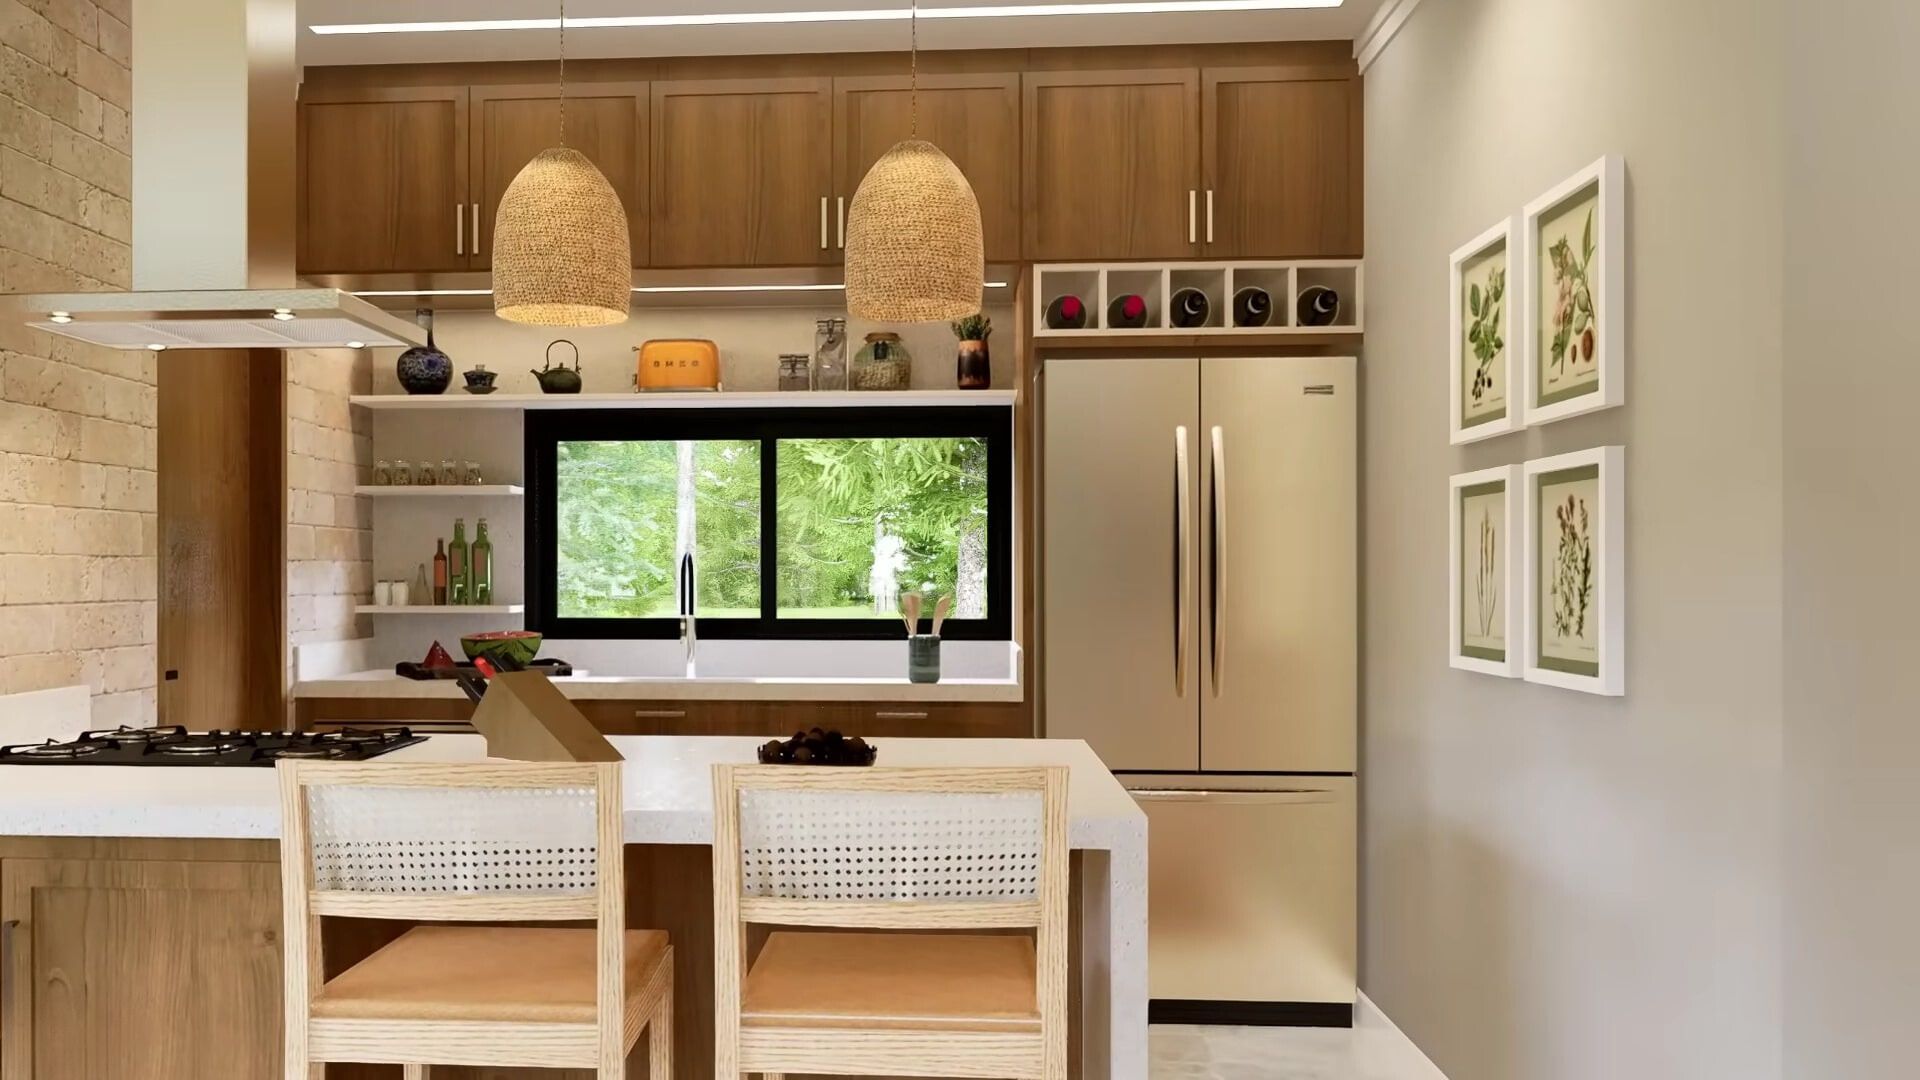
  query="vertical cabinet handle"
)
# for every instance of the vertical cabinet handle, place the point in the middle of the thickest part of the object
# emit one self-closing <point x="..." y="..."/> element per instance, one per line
<point x="823" y="223"/>
<point x="476" y="223"/>
<point x="459" y="229"/>
<point x="476" y="228"/>
<point x="1216" y="577"/>
<point x="6" y="972"/>
<point x="840" y="218"/>
<point x="1193" y="229"/>
<point x="1182" y="559"/>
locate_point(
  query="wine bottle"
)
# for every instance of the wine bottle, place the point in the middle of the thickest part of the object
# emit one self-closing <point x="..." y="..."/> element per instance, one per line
<point x="1127" y="312"/>
<point x="440" y="573"/>
<point x="1252" y="306"/>
<point x="459" y="571"/>
<point x="1317" y="306"/>
<point x="1190" y="307"/>
<point x="1066" y="312"/>
<point x="482" y="566"/>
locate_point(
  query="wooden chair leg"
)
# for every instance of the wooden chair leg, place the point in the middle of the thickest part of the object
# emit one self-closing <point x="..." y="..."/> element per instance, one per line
<point x="414" y="1072"/>
<point x="660" y="1035"/>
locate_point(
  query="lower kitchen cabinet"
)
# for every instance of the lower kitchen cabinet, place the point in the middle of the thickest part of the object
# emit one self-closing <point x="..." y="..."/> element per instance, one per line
<point x="161" y="968"/>
<point x="942" y="719"/>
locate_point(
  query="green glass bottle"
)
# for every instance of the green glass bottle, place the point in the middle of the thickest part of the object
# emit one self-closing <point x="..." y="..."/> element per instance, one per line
<point x="482" y="565"/>
<point x="459" y="570"/>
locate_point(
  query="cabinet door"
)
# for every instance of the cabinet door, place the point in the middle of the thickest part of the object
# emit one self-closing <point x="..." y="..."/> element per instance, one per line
<point x="605" y="121"/>
<point x="974" y="118"/>
<point x="1112" y="164"/>
<point x="383" y="181"/>
<point x="1282" y="149"/>
<point x="742" y="172"/>
<point x="1280" y="578"/>
<point x="173" y="965"/>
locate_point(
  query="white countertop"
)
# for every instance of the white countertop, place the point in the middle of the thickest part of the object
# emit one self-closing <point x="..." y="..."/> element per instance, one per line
<point x="667" y="790"/>
<point x="385" y="684"/>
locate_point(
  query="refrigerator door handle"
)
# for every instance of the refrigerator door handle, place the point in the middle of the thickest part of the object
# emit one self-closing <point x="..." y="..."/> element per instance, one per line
<point x="1231" y="798"/>
<point x="1182" y="559"/>
<point x="1216" y="596"/>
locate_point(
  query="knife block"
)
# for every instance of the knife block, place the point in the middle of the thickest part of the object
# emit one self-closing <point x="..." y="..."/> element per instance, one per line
<point x="524" y="717"/>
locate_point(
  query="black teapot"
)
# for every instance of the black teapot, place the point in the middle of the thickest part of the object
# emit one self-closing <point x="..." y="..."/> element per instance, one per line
<point x="562" y="379"/>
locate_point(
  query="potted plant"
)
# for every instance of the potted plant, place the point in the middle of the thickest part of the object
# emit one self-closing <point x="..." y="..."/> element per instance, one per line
<point x="975" y="366"/>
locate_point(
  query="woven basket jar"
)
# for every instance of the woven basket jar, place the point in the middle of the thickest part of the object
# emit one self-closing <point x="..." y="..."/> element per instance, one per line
<point x="561" y="254"/>
<point x="914" y="250"/>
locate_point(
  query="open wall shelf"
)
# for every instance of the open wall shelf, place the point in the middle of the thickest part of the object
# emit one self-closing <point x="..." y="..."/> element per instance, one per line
<point x="1189" y="300"/>
<point x="792" y="399"/>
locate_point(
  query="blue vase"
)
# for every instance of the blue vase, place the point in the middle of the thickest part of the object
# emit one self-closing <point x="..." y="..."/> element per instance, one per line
<point x="424" y="369"/>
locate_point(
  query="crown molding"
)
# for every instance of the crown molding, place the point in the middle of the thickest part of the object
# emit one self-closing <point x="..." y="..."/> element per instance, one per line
<point x="1380" y="30"/>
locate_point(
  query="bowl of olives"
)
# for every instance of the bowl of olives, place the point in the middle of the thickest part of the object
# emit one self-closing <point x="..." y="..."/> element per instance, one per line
<point x="818" y="747"/>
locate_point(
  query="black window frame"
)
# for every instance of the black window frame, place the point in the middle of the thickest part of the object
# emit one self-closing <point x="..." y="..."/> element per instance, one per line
<point x="547" y="428"/>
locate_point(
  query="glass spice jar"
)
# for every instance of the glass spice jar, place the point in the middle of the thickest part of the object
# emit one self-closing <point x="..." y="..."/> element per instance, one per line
<point x="795" y="373"/>
<point x="883" y="363"/>
<point x="830" y="354"/>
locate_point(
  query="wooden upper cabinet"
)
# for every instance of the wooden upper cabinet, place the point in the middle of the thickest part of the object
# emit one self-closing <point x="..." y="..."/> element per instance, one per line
<point x="1112" y="164"/>
<point x="1282" y="155"/>
<point x="743" y="172"/>
<point x="975" y="119"/>
<point x="605" y="121"/>
<point x="383" y="180"/>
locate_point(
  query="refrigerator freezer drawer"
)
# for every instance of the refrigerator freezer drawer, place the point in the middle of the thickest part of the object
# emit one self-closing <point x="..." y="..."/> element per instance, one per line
<point x="1251" y="892"/>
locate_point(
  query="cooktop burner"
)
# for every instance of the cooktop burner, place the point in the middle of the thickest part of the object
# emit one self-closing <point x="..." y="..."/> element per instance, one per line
<point x="178" y="746"/>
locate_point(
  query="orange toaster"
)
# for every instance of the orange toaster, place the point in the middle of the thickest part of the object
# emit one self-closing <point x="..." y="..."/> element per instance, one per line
<point x="677" y="364"/>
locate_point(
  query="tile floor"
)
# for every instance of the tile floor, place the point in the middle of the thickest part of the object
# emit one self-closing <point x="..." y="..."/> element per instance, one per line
<point x="1179" y="1052"/>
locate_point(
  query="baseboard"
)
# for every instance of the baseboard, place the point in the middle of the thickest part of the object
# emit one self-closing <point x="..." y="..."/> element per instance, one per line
<point x="1250" y="1013"/>
<point x="1385" y="1050"/>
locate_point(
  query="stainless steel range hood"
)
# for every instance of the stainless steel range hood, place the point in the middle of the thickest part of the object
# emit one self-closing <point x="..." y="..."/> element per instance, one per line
<point x="214" y="87"/>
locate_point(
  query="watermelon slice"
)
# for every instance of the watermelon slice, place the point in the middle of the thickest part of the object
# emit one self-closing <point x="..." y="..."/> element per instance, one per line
<point x="516" y="648"/>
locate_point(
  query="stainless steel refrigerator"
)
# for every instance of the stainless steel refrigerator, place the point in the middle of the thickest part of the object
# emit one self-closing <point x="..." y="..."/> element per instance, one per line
<point x="1199" y="629"/>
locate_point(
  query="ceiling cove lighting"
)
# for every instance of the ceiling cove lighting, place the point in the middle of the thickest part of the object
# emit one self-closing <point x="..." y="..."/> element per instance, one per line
<point x="746" y="18"/>
<point x="644" y="289"/>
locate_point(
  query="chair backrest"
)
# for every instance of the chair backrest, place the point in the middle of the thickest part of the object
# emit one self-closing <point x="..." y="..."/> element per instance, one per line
<point x="483" y="842"/>
<point x="889" y="848"/>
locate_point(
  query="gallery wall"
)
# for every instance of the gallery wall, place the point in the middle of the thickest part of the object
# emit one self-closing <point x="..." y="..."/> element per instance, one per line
<point x="1557" y="884"/>
<point x="1852" y="524"/>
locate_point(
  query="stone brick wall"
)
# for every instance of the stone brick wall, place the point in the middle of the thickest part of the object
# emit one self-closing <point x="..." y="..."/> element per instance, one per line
<point x="329" y="528"/>
<point x="77" y="492"/>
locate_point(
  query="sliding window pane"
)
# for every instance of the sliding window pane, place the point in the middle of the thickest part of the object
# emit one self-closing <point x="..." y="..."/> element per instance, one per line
<point x="625" y="510"/>
<point x="863" y="520"/>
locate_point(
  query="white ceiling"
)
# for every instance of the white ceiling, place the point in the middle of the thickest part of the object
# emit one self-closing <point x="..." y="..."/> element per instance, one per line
<point x="1342" y="23"/>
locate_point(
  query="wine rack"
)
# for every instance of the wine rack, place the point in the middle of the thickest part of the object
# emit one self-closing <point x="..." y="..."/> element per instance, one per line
<point x="1163" y="286"/>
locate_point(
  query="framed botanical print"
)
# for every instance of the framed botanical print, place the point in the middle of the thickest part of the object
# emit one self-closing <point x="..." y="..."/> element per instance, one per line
<point x="1482" y="400"/>
<point x="1575" y="577"/>
<point x="1484" y="609"/>
<point x="1574" y="271"/>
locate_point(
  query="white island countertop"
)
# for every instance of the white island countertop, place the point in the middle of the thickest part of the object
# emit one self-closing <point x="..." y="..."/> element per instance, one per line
<point x="385" y="684"/>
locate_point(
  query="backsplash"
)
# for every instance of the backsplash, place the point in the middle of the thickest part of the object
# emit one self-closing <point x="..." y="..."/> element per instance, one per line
<point x="750" y="340"/>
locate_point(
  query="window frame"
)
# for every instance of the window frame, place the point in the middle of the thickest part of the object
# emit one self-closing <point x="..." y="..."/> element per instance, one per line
<point x="547" y="428"/>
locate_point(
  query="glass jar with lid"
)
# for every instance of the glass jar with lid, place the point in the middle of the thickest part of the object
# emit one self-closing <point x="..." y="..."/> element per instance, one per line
<point x="830" y="354"/>
<point x="795" y="372"/>
<point x="883" y="363"/>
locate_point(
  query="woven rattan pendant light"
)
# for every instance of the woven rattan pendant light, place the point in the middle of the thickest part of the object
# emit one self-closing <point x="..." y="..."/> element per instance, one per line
<point x="561" y="254"/>
<point x="914" y="250"/>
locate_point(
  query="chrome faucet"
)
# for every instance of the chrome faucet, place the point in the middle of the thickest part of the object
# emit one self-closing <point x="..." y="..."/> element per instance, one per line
<point x="689" y="628"/>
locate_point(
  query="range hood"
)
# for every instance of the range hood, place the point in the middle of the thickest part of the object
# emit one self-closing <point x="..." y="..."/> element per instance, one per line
<point x="214" y="98"/>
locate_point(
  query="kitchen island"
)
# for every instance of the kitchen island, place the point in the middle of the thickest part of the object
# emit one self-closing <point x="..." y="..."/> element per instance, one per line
<point x="144" y="907"/>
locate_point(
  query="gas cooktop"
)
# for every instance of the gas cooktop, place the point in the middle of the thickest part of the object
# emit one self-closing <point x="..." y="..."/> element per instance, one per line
<point x="178" y="746"/>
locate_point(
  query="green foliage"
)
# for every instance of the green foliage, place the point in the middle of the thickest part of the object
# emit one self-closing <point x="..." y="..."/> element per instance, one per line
<point x="974" y="327"/>
<point x="617" y="510"/>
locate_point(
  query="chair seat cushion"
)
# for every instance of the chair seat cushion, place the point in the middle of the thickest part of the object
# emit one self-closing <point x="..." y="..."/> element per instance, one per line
<point x="493" y="973"/>
<point x="919" y="981"/>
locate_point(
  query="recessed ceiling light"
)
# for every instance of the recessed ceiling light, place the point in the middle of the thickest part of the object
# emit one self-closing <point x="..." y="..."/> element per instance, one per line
<point x="356" y="344"/>
<point x="283" y="314"/>
<point x="157" y="347"/>
<point x="61" y="317"/>
<point x="742" y="18"/>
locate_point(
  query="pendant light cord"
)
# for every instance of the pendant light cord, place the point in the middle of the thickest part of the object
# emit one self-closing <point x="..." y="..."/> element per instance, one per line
<point x="913" y="71"/>
<point x="563" y="72"/>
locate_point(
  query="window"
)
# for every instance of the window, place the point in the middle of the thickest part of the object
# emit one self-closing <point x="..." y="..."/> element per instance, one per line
<point x="799" y="523"/>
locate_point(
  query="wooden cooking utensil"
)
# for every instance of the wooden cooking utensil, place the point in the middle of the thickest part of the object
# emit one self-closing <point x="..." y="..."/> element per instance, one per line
<point x="910" y="603"/>
<point x="940" y="611"/>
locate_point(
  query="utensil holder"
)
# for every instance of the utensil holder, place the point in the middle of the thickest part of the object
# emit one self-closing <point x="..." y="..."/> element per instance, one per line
<point x="923" y="658"/>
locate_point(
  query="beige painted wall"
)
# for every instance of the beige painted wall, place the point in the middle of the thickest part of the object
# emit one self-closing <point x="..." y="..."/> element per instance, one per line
<point x="1557" y="885"/>
<point x="1852" y="525"/>
<point x="77" y="492"/>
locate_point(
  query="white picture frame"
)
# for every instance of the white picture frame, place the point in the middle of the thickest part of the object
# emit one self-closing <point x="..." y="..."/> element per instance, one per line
<point x="1503" y="368"/>
<point x="1605" y="352"/>
<point x="1591" y="658"/>
<point x="1501" y="607"/>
